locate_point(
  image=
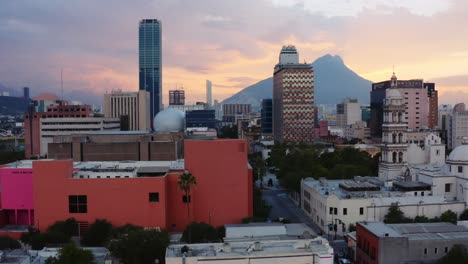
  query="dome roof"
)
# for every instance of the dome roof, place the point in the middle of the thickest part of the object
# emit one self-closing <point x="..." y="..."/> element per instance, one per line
<point x="169" y="120"/>
<point x="459" y="154"/>
<point x="393" y="94"/>
<point x="46" y="97"/>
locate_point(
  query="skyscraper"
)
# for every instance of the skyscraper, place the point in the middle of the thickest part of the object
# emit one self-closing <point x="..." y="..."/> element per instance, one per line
<point x="176" y="97"/>
<point x="293" y="98"/>
<point x="150" y="62"/>
<point x="208" y="94"/>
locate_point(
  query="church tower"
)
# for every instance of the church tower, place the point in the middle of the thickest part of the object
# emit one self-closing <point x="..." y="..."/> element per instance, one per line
<point x="394" y="143"/>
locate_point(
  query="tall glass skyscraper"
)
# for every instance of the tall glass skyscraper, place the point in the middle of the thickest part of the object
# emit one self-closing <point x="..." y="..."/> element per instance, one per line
<point x="150" y="62"/>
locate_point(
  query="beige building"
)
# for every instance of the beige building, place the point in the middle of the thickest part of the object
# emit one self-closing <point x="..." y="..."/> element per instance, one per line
<point x="135" y="105"/>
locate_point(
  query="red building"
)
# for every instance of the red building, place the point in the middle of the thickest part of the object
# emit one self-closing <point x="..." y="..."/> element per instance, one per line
<point x="32" y="123"/>
<point x="367" y="250"/>
<point x="148" y="194"/>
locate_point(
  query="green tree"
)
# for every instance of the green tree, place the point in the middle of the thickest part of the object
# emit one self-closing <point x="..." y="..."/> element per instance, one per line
<point x="352" y="228"/>
<point x="200" y="233"/>
<point x="7" y="242"/>
<point x="186" y="181"/>
<point x="71" y="254"/>
<point x="464" y="215"/>
<point x="68" y="227"/>
<point x="458" y="254"/>
<point x="98" y="234"/>
<point x="258" y="166"/>
<point x="395" y="216"/>
<point x="449" y="216"/>
<point x="422" y="219"/>
<point x="140" y="246"/>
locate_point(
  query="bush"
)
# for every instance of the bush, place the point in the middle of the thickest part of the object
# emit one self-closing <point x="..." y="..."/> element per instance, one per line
<point x="39" y="240"/>
<point x="449" y="216"/>
<point x="125" y="229"/>
<point x="464" y="215"/>
<point x="26" y="237"/>
<point x="141" y="246"/>
<point x="98" y="235"/>
<point x="68" y="227"/>
<point x="200" y="233"/>
<point x="71" y="254"/>
<point x="7" y="242"/>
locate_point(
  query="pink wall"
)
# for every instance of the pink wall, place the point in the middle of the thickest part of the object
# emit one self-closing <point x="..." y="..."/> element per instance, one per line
<point x="417" y="107"/>
<point x="16" y="188"/>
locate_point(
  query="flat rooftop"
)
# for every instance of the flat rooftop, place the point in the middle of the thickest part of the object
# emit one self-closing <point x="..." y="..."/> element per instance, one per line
<point x="251" y="249"/>
<point x="417" y="231"/>
<point x="267" y="231"/>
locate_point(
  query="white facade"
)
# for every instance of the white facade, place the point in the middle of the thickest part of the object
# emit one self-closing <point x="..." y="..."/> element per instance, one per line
<point x="135" y="105"/>
<point x="288" y="55"/>
<point x="357" y="130"/>
<point x="457" y="128"/>
<point x="430" y="150"/>
<point x="300" y="251"/>
<point x="351" y="113"/>
<point x="209" y="100"/>
<point x="65" y="126"/>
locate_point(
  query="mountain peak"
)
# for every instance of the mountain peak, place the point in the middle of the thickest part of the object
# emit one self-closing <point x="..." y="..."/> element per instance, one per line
<point x="329" y="59"/>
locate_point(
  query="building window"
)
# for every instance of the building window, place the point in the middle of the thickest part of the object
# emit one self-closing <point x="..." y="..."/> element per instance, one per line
<point x="447" y="187"/>
<point x="460" y="169"/>
<point x="425" y="251"/>
<point x="335" y="211"/>
<point x="446" y="249"/>
<point x="77" y="204"/>
<point x="154" y="197"/>
<point x="422" y="193"/>
<point x="185" y="200"/>
<point x="437" y="152"/>
<point x="345" y="211"/>
<point x="361" y="210"/>
<point x="435" y="251"/>
<point x="331" y="210"/>
<point x="415" y="193"/>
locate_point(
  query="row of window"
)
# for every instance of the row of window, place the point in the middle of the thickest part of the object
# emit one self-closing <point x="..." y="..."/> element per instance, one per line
<point x="78" y="204"/>
<point x="334" y="211"/>
<point x="436" y="250"/>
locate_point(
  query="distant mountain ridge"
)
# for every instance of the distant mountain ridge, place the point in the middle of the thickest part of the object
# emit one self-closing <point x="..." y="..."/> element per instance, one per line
<point x="334" y="81"/>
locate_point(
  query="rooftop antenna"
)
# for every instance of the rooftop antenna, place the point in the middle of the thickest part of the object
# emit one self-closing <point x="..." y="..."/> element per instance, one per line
<point x="61" y="81"/>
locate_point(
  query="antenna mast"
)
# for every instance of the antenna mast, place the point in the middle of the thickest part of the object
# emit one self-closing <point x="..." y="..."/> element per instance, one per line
<point x="61" y="81"/>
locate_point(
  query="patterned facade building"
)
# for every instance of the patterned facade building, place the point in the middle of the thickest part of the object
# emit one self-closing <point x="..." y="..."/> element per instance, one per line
<point x="293" y="99"/>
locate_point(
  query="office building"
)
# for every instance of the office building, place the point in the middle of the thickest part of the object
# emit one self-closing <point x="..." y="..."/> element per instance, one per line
<point x="444" y="111"/>
<point x="231" y="110"/>
<point x="379" y="243"/>
<point x="209" y="100"/>
<point x="419" y="98"/>
<point x="186" y="108"/>
<point x="316" y="251"/>
<point x="267" y="116"/>
<point x="150" y="62"/>
<point x="348" y="112"/>
<point x="457" y="126"/>
<point x="293" y="98"/>
<point x="200" y="118"/>
<point x="32" y="121"/>
<point x="176" y="97"/>
<point x="132" y="107"/>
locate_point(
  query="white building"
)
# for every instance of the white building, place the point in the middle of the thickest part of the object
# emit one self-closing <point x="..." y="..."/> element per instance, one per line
<point x="134" y="105"/>
<point x="209" y="100"/>
<point x="65" y="126"/>
<point x="357" y="130"/>
<point x="348" y="112"/>
<point x="457" y="126"/>
<point x="300" y="251"/>
<point x="429" y="150"/>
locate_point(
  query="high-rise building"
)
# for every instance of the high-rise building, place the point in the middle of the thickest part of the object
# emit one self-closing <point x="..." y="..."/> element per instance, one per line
<point x="457" y="126"/>
<point x="134" y="105"/>
<point x="444" y="111"/>
<point x="26" y="93"/>
<point x="394" y="143"/>
<point x="176" y="97"/>
<point x="293" y="98"/>
<point x="267" y="116"/>
<point x="150" y="62"/>
<point x="348" y="113"/>
<point x="208" y="94"/>
<point x="419" y="98"/>
<point x="231" y="110"/>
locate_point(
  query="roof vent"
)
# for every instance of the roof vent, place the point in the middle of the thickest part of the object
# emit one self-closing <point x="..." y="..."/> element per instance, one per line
<point x="386" y="234"/>
<point x="226" y="247"/>
<point x="257" y="246"/>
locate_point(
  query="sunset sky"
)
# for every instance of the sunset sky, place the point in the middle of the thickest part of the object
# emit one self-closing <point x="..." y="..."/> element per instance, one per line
<point x="233" y="43"/>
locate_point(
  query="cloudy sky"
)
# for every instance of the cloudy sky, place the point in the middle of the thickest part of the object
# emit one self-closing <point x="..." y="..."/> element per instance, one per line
<point x="233" y="43"/>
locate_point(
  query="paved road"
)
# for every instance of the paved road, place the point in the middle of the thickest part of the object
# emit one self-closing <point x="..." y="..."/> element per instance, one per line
<point x="284" y="207"/>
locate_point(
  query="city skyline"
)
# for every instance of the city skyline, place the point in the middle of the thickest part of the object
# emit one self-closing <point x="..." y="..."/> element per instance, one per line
<point x="230" y="43"/>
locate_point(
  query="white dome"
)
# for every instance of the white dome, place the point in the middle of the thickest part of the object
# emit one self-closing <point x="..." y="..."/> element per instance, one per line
<point x="459" y="154"/>
<point x="169" y="120"/>
<point x="393" y="94"/>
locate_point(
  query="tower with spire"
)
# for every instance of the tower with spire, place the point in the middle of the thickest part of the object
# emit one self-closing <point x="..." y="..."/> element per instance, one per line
<point x="394" y="142"/>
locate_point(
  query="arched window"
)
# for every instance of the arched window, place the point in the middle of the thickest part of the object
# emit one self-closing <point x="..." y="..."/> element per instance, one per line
<point x="394" y="118"/>
<point x="400" y="117"/>
<point x="400" y="138"/>
<point x="400" y="157"/>
<point x="394" y="157"/>
<point x="394" y="138"/>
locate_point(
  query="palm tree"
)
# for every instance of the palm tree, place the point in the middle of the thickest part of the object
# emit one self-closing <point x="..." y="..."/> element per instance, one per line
<point x="186" y="180"/>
